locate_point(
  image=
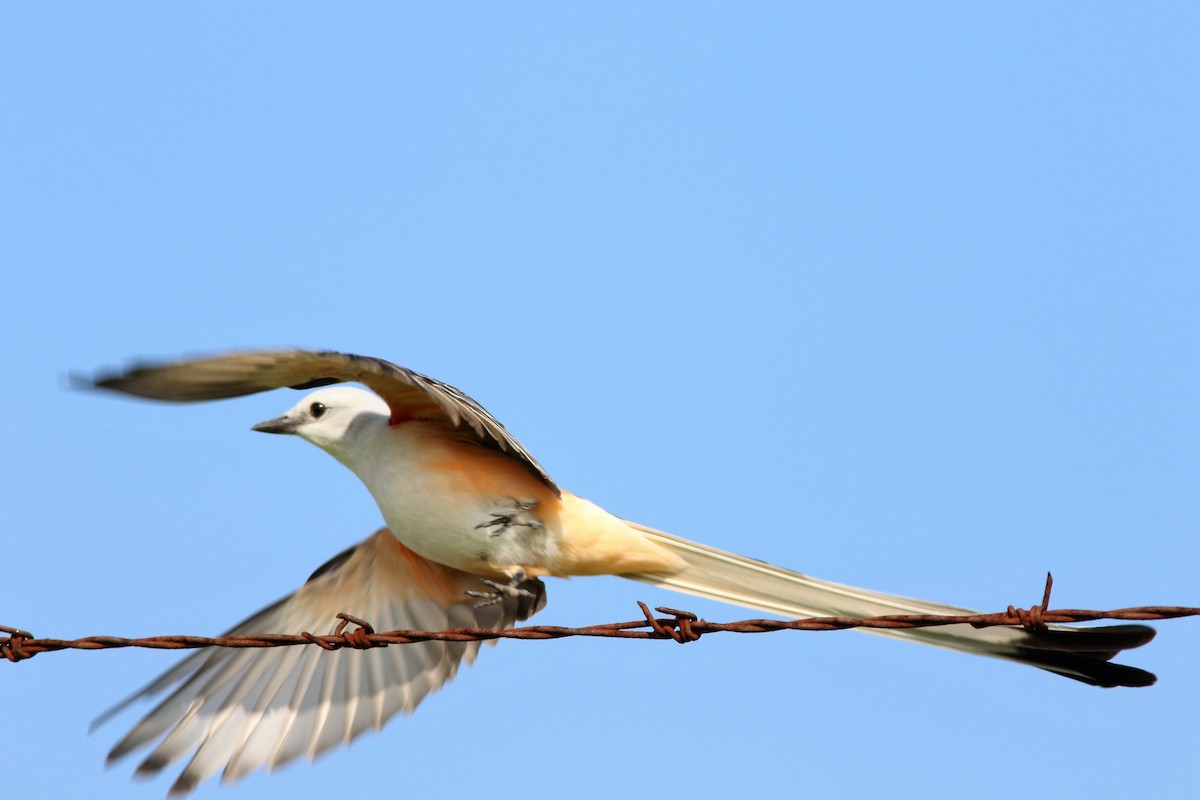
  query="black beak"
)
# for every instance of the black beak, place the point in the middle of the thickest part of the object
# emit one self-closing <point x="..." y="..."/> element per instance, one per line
<point x="282" y="424"/>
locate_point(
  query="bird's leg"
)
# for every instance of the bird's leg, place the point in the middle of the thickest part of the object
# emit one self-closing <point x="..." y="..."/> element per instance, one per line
<point x="502" y="591"/>
<point x="515" y="516"/>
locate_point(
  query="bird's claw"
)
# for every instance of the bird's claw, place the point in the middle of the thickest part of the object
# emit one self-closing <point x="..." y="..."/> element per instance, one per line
<point x="502" y="591"/>
<point x="514" y="517"/>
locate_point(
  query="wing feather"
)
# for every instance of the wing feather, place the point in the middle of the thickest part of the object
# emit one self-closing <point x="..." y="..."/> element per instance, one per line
<point x="239" y="709"/>
<point x="410" y="395"/>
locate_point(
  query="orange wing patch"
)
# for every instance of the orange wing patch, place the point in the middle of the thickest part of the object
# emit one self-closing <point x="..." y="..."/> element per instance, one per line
<point x="382" y="569"/>
<point x="400" y="566"/>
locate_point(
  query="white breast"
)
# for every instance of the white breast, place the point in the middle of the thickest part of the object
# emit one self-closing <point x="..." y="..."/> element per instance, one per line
<point x="457" y="503"/>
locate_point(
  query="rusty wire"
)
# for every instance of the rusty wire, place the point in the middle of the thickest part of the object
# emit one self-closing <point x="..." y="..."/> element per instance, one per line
<point x="682" y="626"/>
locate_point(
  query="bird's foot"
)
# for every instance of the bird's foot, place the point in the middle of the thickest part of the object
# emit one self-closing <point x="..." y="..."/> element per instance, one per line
<point x="502" y="591"/>
<point x="516" y="516"/>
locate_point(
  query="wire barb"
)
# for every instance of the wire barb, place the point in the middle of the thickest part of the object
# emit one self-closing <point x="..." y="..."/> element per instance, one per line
<point x="359" y="638"/>
<point x="13" y="648"/>
<point x="1032" y="619"/>
<point x="680" y="629"/>
<point x="684" y="627"/>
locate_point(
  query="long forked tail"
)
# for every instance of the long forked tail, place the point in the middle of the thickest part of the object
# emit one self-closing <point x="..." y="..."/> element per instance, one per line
<point x="1079" y="653"/>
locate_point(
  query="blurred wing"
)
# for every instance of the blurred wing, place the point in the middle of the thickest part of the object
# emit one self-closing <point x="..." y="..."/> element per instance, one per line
<point x="410" y="395"/>
<point x="240" y="709"/>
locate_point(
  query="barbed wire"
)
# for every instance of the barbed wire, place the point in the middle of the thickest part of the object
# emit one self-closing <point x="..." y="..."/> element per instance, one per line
<point x="682" y="626"/>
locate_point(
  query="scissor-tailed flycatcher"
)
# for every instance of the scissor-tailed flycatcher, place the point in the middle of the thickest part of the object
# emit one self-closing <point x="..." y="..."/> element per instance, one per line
<point x="473" y="523"/>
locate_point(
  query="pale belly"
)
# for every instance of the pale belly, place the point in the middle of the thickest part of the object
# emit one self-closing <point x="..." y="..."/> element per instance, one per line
<point x="483" y="512"/>
<point x="488" y="521"/>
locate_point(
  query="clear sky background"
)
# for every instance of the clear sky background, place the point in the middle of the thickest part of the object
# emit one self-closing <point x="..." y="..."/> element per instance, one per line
<point x="905" y="295"/>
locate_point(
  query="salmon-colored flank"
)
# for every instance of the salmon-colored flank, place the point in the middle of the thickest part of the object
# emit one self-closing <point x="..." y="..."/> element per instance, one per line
<point x="471" y="469"/>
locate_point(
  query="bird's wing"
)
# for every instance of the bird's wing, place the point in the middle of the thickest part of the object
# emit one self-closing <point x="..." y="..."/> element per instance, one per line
<point x="238" y="709"/>
<point x="410" y="395"/>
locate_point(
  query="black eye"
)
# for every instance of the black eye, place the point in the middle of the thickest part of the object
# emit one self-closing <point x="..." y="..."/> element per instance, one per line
<point x="317" y="409"/>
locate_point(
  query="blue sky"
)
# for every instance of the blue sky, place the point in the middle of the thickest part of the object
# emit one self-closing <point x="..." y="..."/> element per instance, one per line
<point x="901" y="295"/>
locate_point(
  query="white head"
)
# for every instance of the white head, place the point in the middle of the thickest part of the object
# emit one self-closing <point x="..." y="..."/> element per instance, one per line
<point x="333" y="419"/>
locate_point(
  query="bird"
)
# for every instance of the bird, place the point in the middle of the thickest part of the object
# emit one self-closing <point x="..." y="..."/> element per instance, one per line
<point x="473" y="524"/>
